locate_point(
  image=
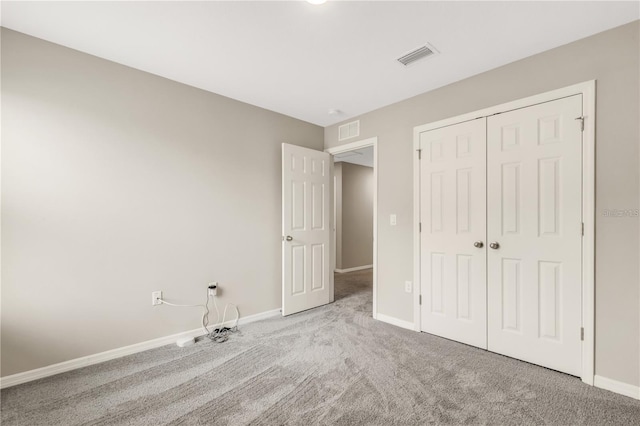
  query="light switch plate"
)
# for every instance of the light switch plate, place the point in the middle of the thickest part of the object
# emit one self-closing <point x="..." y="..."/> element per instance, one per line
<point x="393" y="220"/>
<point x="408" y="287"/>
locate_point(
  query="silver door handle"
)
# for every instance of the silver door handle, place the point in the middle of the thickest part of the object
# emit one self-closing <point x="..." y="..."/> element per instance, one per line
<point x="478" y="244"/>
<point x="289" y="238"/>
<point x="494" y="245"/>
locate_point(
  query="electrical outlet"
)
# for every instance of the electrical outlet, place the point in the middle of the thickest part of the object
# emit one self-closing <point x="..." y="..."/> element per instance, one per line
<point x="408" y="287"/>
<point x="156" y="298"/>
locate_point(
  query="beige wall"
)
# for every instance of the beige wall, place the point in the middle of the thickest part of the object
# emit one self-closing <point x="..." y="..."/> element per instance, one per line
<point x="612" y="58"/>
<point x="116" y="183"/>
<point x="355" y="233"/>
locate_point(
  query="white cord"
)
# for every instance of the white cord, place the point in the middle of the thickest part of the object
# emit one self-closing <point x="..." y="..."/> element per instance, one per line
<point x="215" y="305"/>
<point x="218" y="334"/>
<point x="164" y="302"/>
<point x="224" y="314"/>
<point x="205" y="316"/>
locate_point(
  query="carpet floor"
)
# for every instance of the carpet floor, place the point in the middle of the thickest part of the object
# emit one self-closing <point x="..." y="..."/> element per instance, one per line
<point x="330" y="365"/>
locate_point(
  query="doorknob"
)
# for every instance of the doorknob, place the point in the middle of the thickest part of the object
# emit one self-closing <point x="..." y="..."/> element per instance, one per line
<point x="478" y="244"/>
<point x="494" y="245"/>
<point x="289" y="238"/>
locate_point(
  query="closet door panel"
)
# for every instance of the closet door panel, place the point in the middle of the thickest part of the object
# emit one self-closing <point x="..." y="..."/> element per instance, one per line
<point x="453" y="217"/>
<point x="535" y="216"/>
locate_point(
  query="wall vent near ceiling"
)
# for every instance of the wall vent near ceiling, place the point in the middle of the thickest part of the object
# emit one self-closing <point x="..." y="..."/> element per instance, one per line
<point x="417" y="54"/>
<point x="349" y="130"/>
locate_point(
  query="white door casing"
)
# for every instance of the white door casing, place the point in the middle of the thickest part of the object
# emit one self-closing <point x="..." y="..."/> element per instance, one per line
<point x="453" y="222"/>
<point x="306" y="232"/>
<point x="534" y="193"/>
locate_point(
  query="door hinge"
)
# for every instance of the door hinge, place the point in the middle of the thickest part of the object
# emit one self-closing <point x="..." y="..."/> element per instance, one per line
<point x="420" y="300"/>
<point x="419" y="226"/>
<point x="419" y="154"/>
<point x="581" y="333"/>
<point x="581" y="123"/>
<point x="583" y="229"/>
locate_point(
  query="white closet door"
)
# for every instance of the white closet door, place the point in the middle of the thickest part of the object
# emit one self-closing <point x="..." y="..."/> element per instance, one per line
<point x="534" y="198"/>
<point x="453" y="218"/>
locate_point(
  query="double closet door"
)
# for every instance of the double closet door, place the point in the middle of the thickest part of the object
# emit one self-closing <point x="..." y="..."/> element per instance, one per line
<point x="501" y="233"/>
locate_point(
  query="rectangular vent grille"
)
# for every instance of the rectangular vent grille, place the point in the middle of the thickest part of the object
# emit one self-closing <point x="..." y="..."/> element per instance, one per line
<point x="349" y="130"/>
<point x="415" y="55"/>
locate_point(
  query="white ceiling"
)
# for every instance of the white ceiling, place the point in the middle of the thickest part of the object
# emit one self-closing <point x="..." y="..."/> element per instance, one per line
<point x="362" y="157"/>
<point x="302" y="60"/>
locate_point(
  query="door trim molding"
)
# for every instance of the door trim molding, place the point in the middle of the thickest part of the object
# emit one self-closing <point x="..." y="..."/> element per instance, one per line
<point x="588" y="91"/>
<point x="417" y="284"/>
<point x="350" y="147"/>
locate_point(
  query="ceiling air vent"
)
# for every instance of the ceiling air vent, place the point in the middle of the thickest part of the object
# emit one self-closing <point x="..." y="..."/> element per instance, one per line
<point x="417" y="54"/>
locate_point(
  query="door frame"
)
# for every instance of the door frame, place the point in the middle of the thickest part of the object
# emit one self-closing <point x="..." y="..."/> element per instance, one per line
<point x="588" y="91"/>
<point x="364" y="143"/>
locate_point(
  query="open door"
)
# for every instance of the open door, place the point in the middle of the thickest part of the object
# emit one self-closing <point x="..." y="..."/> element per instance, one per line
<point x="306" y="232"/>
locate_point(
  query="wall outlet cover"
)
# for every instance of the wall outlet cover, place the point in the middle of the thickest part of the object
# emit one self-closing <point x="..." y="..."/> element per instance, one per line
<point x="156" y="298"/>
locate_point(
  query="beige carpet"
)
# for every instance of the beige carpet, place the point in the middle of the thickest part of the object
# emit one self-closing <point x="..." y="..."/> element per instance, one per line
<point x="331" y="365"/>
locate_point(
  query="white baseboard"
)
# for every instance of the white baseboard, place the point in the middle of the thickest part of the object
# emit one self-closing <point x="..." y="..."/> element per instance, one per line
<point x="617" y="387"/>
<point x="355" y="268"/>
<point x="50" y="370"/>
<point x="409" y="325"/>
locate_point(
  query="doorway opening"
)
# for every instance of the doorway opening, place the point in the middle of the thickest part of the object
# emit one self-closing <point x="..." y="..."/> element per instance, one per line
<point x="354" y="242"/>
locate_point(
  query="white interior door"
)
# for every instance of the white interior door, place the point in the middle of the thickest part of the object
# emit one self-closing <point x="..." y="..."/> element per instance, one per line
<point x="453" y="222"/>
<point x="306" y="266"/>
<point x="535" y="216"/>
